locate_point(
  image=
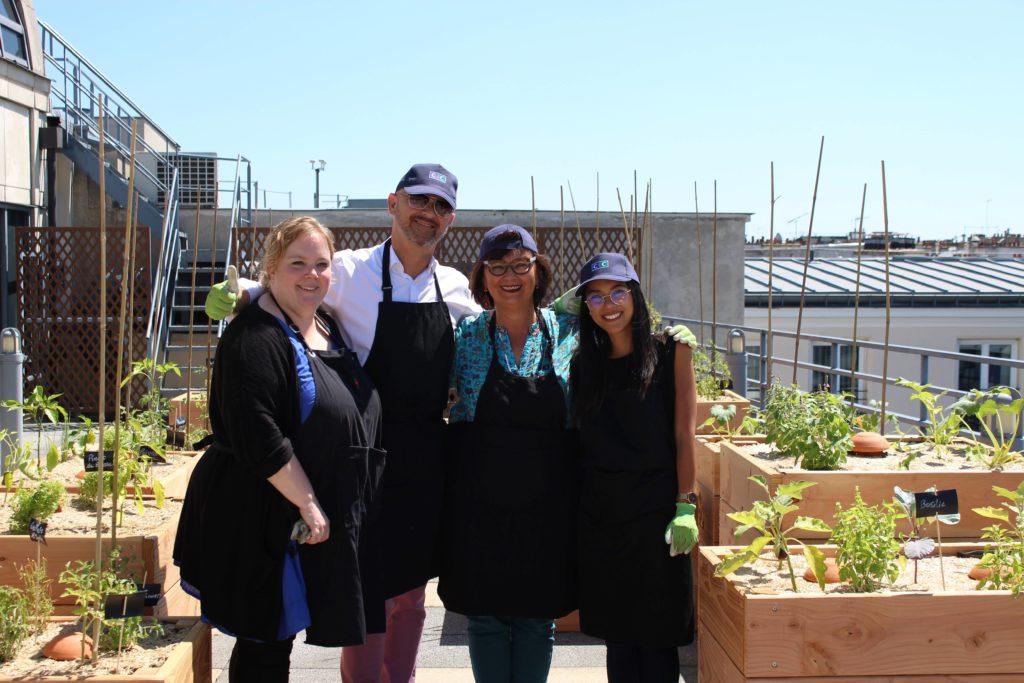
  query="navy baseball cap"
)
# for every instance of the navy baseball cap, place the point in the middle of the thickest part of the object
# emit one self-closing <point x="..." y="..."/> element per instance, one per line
<point x="430" y="179"/>
<point x="506" y="238"/>
<point x="606" y="266"/>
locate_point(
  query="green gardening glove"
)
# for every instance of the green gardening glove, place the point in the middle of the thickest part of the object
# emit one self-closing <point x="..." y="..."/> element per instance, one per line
<point x="681" y="334"/>
<point x="681" y="532"/>
<point x="567" y="303"/>
<point x="220" y="302"/>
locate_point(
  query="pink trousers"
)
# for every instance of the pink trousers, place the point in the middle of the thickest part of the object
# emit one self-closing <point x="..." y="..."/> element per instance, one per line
<point x="389" y="657"/>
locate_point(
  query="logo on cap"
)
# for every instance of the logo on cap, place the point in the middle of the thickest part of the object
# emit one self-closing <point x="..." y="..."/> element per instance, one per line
<point x="440" y="177"/>
<point x="598" y="264"/>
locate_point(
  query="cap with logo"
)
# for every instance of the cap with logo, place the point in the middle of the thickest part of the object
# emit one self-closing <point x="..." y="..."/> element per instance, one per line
<point x="506" y="237"/>
<point x="606" y="266"/>
<point x="432" y="179"/>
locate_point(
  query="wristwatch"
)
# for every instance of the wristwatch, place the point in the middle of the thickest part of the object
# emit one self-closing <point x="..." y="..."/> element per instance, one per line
<point x="689" y="497"/>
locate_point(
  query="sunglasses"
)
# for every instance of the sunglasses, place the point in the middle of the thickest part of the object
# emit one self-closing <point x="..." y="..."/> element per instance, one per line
<point x="617" y="296"/>
<point x="499" y="268"/>
<point x="421" y="201"/>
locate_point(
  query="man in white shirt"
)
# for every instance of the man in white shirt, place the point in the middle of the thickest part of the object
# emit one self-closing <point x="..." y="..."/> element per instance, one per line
<point x="397" y="307"/>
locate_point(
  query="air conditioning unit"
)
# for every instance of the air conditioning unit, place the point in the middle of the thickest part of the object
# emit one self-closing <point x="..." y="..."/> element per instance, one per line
<point x="197" y="178"/>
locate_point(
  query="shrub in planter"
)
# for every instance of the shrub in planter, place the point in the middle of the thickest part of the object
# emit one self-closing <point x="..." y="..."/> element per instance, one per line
<point x="14" y="626"/>
<point x="812" y="427"/>
<point x="1005" y="557"/>
<point x="38" y="503"/>
<point x="867" y="552"/>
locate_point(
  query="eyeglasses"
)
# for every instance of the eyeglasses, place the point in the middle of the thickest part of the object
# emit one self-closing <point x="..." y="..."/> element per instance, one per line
<point x="617" y="296"/>
<point x="421" y="201"/>
<point x="499" y="268"/>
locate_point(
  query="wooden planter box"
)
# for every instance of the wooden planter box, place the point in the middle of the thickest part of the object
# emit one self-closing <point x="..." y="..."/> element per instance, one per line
<point x="974" y="489"/>
<point x="709" y="486"/>
<point x="811" y="637"/>
<point x="191" y="661"/>
<point x="726" y="399"/>
<point x="152" y="553"/>
<point x="192" y="412"/>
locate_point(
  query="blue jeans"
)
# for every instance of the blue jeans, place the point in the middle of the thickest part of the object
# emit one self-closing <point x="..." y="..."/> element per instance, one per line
<point x="510" y="650"/>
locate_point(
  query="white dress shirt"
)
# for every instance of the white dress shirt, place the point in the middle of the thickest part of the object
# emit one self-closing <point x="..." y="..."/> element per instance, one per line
<point x="356" y="279"/>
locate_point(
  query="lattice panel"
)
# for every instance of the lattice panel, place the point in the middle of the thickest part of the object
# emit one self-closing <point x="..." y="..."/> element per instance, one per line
<point x="460" y="247"/>
<point x="58" y="301"/>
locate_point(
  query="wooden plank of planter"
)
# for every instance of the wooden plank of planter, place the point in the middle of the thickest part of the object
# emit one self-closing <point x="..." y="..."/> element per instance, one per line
<point x="176" y="483"/>
<point x="193" y="412"/>
<point x="190" y="661"/>
<point x="812" y="635"/>
<point x="726" y="399"/>
<point x="974" y="489"/>
<point x="152" y="552"/>
<point x="708" y="454"/>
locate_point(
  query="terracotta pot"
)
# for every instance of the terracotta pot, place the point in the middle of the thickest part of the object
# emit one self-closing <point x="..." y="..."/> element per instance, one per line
<point x="67" y="647"/>
<point x="831" y="572"/>
<point x="869" y="443"/>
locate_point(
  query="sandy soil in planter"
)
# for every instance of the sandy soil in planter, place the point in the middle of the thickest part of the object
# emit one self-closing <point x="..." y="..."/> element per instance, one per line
<point x="928" y="459"/>
<point x="67" y="471"/>
<point x="72" y="520"/>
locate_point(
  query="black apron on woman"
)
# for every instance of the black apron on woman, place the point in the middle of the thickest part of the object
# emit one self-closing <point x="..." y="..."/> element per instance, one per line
<point x="631" y="591"/>
<point x="235" y="526"/>
<point x="411" y="357"/>
<point x="508" y="541"/>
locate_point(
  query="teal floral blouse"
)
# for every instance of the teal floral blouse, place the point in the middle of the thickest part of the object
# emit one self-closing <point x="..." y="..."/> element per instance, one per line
<point x="473" y="356"/>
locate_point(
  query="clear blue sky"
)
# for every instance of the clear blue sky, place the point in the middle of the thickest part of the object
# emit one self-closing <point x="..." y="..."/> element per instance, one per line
<point x="678" y="91"/>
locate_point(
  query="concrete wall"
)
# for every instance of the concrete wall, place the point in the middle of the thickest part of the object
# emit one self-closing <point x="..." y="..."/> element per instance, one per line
<point x="24" y="101"/>
<point x="673" y="286"/>
<point x="930" y="328"/>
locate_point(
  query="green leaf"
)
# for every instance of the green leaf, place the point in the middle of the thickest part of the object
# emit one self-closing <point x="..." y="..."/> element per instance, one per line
<point x="52" y="457"/>
<point x="816" y="561"/>
<point x="759" y="544"/>
<point x="748" y="518"/>
<point x="811" y="524"/>
<point x="794" y="488"/>
<point x="734" y="562"/>
<point x="994" y="513"/>
<point x="759" y="480"/>
<point x="158" y="492"/>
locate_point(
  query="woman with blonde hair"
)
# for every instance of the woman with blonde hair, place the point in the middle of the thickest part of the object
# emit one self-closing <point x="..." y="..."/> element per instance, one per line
<point x="270" y="528"/>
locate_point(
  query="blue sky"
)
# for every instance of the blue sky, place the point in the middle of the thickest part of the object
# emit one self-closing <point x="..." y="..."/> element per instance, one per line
<point x="677" y="91"/>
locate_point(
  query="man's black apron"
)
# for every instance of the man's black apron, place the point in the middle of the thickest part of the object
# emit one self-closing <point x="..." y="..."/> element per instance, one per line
<point x="409" y="362"/>
<point x="508" y="545"/>
<point x="631" y="591"/>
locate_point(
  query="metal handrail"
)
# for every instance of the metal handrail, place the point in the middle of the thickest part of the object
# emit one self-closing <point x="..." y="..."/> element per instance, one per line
<point x="47" y="29"/>
<point x="87" y="83"/>
<point x="234" y="223"/>
<point x="156" y="329"/>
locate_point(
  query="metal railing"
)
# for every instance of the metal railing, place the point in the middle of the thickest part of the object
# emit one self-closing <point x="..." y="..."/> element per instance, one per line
<point x="236" y="220"/>
<point x="76" y="90"/>
<point x="766" y="349"/>
<point x="157" y="329"/>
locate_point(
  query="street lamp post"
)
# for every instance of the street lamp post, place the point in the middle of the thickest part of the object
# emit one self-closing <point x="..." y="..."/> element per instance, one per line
<point x="317" y="166"/>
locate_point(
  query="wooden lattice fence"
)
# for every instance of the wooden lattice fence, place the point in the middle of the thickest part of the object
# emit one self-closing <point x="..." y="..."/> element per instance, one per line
<point x="58" y="305"/>
<point x="567" y="248"/>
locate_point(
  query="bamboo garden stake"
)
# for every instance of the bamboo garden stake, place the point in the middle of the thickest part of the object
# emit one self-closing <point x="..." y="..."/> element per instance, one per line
<point x="579" y="230"/>
<point x="561" y="238"/>
<point x="856" y="306"/>
<point x="213" y="281"/>
<point x="714" y="277"/>
<point x="192" y="308"/>
<point x="625" y="225"/>
<point x="885" y="351"/>
<point x="807" y="259"/>
<point x="102" y="417"/>
<point x="770" y="340"/>
<point x="533" y="210"/>
<point x="700" y="264"/>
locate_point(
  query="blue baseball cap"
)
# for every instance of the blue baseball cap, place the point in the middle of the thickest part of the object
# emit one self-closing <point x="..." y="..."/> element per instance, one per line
<point x="606" y="266"/>
<point x="430" y="179"/>
<point x="506" y="237"/>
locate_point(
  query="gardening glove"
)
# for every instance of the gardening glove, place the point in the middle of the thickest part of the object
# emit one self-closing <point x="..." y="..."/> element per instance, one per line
<point x="567" y="303"/>
<point x="220" y="302"/>
<point x="681" y="334"/>
<point x="681" y="532"/>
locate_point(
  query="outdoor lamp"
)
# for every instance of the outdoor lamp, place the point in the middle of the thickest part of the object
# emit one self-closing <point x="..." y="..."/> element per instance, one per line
<point x="10" y="340"/>
<point x="737" y="341"/>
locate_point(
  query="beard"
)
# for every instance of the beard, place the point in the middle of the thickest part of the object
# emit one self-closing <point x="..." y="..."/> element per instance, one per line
<point x="423" y="235"/>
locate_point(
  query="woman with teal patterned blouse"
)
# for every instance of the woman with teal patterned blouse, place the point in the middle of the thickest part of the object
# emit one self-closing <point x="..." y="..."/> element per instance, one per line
<point x="508" y="532"/>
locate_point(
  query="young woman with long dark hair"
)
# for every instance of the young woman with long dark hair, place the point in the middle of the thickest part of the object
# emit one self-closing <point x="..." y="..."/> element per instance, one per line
<point x="634" y="397"/>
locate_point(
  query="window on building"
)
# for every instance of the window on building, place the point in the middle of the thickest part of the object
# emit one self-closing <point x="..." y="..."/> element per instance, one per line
<point x="12" y="34"/>
<point x="823" y="354"/>
<point x="982" y="375"/>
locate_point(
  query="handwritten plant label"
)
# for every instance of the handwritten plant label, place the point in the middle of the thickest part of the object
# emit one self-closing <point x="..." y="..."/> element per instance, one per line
<point x="934" y="503"/>
<point x="152" y="592"/>
<point x="37" y="531"/>
<point x="124" y="606"/>
<point x="151" y="453"/>
<point x="91" y="461"/>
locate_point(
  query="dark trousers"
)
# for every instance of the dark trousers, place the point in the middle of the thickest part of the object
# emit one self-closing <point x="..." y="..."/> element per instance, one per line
<point x="640" y="664"/>
<point x="255" y="662"/>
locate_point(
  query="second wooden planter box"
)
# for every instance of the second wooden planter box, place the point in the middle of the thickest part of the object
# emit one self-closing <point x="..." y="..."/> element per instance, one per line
<point x="974" y="489"/>
<point x="728" y="398"/>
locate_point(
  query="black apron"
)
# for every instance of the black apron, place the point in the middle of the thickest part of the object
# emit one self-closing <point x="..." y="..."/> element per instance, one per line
<point x="508" y="545"/>
<point x="409" y="362"/>
<point x="235" y="526"/>
<point x="631" y="591"/>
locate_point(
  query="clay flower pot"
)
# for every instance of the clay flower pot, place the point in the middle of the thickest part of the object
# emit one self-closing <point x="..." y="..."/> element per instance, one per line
<point x="67" y="647"/>
<point x="869" y="443"/>
<point x="831" y="572"/>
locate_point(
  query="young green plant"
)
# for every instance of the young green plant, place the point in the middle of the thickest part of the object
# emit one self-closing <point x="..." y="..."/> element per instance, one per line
<point x="867" y="552"/>
<point x="767" y="517"/>
<point x="39" y="405"/>
<point x="1005" y="557"/>
<point x="812" y="427"/>
<point x="995" y="405"/>
<point x="943" y="423"/>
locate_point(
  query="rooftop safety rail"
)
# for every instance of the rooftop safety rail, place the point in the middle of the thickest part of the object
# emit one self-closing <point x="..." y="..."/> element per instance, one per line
<point x="76" y="89"/>
<point x="158" y="327"/>
<point x="756" y="383"/>
<point x="236" y="219"/>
